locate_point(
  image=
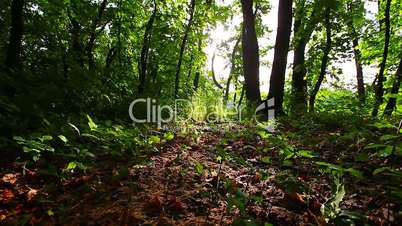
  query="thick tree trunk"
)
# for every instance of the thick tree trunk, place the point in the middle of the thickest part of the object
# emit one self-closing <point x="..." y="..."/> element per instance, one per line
<point x="379" y="89"/>
<point x="277" y="80"/>
<point x="13" y="55"/>
<point x="142" y="63"/>
<point x="298" y="81"/>
<point x="395" y="89"/>
<point x="251" y="62"/>
<point x="324" y="61"/>
<point x="182" y="47"/>
<point x="302" y="32"/>
<point x="232" y="66"/>
<point x="299" y="85"/>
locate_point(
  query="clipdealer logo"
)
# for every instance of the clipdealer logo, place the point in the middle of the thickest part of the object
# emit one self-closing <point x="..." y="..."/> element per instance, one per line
<point x="162" y="114"/>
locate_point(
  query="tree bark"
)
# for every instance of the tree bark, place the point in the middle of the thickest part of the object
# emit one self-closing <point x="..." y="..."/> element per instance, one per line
<point x="302" y="32"/>
<point x="361" y="91"/>
<point x="251" y="62"/>
<point x="142" y="63"/>
<point x="213" y="73"/>
<point x="13" y="55"/>
<point x="241" y="95"/>
<point x="379" y="89"/>
<point x="357" y="56"/>
<point x="324" y="60"/>
<point x="182" y="47"/>
<point x="298" y="82"/>
<point x="232" y="66"/>
<point x="391" y="105"/>
<point x="277" y="80"/>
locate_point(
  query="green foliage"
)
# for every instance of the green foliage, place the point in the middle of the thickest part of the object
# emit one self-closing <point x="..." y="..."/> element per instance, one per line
<point x="35" y="146"/>
<point x="331" y="208"/>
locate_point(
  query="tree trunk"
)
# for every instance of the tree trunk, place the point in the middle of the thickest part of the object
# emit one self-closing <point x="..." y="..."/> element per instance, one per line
<point x="357" y="56"/>
<point x="232" y="66"/>
<point x="395" y="89"/>
<point x="196" y="80"/>
<point x="13" y="55"/>
<point x="197" y="73"/>
<point x="213" y="73"/>
<point x="379" y="89"/>
<point x="324" y="60"/>
<point x="182" y="47"/>
<point x="142" y="63"/>
<point x="298" y="82"/>
<point x="277" y="80"/>
<point x="359" y="71"/>
<point x="251" y="62"/>
<point x="302" y="33"/>
<point x="93" y="34"/>
<point x="241" y="95"/>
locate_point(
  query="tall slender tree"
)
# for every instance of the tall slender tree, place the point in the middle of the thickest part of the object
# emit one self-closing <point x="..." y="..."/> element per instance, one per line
<point x="391" y="105"/>
<point x="219" y="86"/>
<point x="183" y="46"/>
<point x="277" y="80"/>
<point x="250" y="52"/>
<point x="324" y="60"/>
<point x="357" y="53"/>
<point x="379" y="88"/>
<point x="232" y="67"/>
<point x="142" y="63"/>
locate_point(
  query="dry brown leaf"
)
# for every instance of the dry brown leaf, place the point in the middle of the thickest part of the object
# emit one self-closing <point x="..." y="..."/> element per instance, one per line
<point x="10" y="178"/>
<point x="6" y="196"/>
<point x="31" y="194"/>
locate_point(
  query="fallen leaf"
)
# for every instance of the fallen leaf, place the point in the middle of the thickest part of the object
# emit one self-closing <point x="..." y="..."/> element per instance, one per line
<point x="7" y="195"/>
<point x="31" y="194"/>
<point x="10" y="178"/>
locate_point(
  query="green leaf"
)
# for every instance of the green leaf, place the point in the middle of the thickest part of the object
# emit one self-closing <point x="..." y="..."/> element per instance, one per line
<point x="355" y="173"/>
<point x="154" y="140"/>
<point x="380" y="170"/>
<point x="306" y="154"/>
<point x="45" y="138"/>
<point x="91" y="123"/>
<point x="63" y="138"/>
<point x="362" y="157"/>
<point x="387" y="137"/>
<point x="90" y="136"/>
<point x="75" y="128"/>
<point x="50" y="213"/>
<point x="266" y="160"/>
<point x="168" y="136"/>
<point x="71" y="165"/>
<point x="18" y="138"/>
<point x="199" y="168"/>
<point x="374" y="146"/>
<point x="387" y="151"/>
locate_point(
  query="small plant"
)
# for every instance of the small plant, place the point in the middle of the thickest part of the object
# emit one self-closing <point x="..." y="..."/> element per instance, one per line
<point x="35" y="146"/>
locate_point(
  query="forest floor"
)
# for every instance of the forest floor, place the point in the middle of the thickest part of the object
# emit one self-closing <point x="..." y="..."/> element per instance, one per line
<point x="223" y="175"/>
